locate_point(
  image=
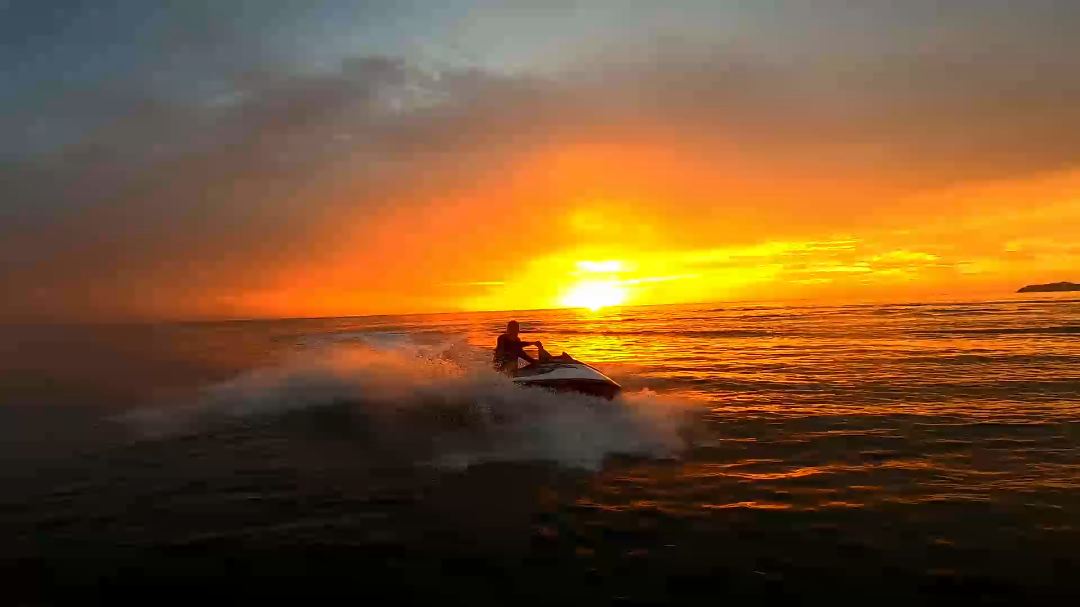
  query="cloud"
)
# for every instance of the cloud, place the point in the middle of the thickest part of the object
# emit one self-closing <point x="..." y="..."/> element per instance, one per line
<point x="364" y="180"/>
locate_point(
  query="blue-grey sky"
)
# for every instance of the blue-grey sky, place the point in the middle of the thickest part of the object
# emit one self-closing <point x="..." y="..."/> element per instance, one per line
<point x="193" y="140"/>
<point x="100" y="55"/>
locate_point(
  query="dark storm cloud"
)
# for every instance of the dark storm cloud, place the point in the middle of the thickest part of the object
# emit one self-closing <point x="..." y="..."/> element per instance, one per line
<point x="137" y="196"/>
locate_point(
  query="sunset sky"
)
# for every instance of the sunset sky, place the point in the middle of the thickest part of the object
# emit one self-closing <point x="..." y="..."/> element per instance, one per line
<point x="314" y="158"/>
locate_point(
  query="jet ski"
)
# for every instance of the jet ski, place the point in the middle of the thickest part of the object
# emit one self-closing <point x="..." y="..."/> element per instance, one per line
<point x="566" y="374"/>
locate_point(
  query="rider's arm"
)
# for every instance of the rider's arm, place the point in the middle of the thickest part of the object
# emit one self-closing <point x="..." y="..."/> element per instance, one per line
<point x="521" y="350"/>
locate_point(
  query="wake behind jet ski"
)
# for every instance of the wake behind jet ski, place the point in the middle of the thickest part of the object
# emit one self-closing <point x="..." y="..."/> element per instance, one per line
<point x="561" y="373"/>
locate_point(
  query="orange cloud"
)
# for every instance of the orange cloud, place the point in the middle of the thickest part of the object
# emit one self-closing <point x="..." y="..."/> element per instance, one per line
<point x="313" y="196"/>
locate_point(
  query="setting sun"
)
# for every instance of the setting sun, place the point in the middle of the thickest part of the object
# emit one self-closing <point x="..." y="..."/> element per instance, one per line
<point x="570" y="296"/>
<point x="594" y="295"/>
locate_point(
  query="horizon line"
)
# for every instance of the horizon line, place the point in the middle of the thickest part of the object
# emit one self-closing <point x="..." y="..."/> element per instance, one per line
<point x="799" y="302"/>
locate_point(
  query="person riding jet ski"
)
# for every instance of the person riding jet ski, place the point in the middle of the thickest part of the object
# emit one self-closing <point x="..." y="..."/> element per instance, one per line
<point x="509" y="348"/>
<point x="562" y="373"/>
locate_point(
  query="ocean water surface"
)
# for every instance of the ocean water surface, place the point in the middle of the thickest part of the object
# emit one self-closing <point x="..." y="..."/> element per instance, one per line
<point x="906" y="452"/>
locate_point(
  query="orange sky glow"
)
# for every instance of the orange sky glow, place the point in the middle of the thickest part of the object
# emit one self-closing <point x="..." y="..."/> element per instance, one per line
<point x="599" y="225"/>
<point x="382" y="162"/>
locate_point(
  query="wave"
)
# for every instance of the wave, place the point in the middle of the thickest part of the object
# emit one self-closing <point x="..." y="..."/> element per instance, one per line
<point x="926" y="310"/>
<point x="667" y="332"/>
<point x="1052" y="330"/>
<point x="428" y="405"/>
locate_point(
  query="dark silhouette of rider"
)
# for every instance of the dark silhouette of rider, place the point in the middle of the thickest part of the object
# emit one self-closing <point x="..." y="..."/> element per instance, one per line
<point x="509" y="348"/>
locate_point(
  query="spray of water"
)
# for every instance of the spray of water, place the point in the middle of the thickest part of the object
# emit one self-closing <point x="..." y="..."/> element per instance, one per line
<point x="445" y="409"/>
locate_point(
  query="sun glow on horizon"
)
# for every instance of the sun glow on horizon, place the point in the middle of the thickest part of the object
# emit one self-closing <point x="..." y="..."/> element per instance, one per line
<point x="648" y="258"/>
<point x="594" y="294"/>
<point x="600" y="266"/>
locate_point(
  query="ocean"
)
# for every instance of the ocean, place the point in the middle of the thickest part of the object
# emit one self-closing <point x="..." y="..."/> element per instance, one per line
<point x="899" y="453"/>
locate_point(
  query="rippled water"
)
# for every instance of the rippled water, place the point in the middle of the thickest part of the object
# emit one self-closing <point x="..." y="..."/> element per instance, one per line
<point x="900" y="453"/>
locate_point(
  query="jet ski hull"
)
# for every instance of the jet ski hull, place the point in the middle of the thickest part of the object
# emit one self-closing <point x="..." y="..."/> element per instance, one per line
<point x="568" y="377"/>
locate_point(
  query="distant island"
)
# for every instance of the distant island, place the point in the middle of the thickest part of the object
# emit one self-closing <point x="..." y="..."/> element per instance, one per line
<point x="1050" y="287"/>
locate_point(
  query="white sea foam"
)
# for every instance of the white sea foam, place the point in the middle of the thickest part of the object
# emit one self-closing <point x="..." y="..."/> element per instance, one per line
<point x="455" y="411"/>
